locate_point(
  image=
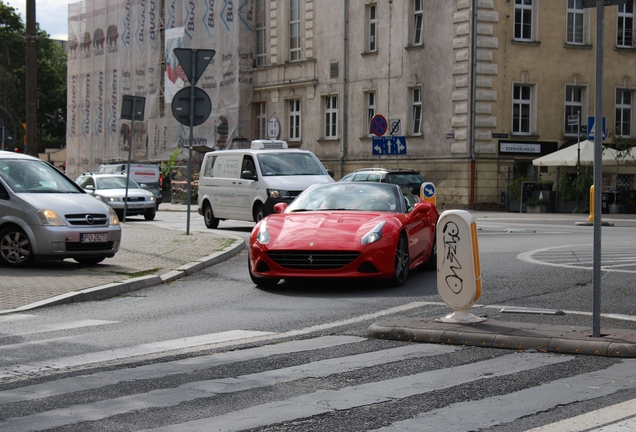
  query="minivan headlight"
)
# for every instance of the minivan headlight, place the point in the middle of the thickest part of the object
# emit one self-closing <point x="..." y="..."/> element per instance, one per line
<point x="276" y="193"/>
<point x="114" y="220"/>
<point x="50" y="217"/>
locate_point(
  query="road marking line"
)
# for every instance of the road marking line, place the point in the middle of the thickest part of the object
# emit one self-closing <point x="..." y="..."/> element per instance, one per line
<point x="590" y="421"/>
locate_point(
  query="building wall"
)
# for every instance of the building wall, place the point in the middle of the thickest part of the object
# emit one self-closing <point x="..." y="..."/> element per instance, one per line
<point x="391" y="72"/>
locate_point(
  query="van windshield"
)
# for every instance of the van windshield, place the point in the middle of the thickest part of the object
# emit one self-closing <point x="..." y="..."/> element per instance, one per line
<point x="289" y="164"/>
<point x="32" y="176"/>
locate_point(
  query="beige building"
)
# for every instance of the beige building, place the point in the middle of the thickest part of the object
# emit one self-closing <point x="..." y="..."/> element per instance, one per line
<point x="474" y="89"/>
<point x="473" y="115"/>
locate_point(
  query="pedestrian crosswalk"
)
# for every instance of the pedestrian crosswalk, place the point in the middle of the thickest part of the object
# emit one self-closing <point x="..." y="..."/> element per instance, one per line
<point x="333" y="383"/>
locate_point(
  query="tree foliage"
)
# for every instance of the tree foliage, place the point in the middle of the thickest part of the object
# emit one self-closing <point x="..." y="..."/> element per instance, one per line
<point x="51" y="79"/>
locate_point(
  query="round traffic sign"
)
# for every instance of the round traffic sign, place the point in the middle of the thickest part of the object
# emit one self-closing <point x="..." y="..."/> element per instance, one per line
<point x="181" y="106"/>
<point x="379" y="125"/>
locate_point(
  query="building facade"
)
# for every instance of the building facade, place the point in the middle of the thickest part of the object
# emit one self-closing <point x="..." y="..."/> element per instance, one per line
<point x="477" y="88"/>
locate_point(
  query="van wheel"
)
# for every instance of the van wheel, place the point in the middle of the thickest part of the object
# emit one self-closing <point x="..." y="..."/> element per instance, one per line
<point x="208" y="217"/>
<point x="15" y="247"/>
<point x="259" y="213"/>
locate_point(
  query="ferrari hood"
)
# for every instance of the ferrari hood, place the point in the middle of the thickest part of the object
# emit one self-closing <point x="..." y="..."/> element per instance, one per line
<point x="292" y="230"/>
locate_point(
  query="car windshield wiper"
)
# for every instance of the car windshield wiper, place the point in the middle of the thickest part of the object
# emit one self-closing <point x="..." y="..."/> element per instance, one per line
<point x="301" y="210"/>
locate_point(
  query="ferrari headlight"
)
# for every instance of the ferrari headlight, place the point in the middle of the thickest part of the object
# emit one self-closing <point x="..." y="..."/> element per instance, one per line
<point x="263" y="235"/>
<point x="49" y="217"/>
<point x="374" y="235"/>
<point x="276" y="193"/>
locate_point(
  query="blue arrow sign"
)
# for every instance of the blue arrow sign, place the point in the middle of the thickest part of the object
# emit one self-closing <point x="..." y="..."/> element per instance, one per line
<point x="429" y="190"/>
<point x="389" y="145"/>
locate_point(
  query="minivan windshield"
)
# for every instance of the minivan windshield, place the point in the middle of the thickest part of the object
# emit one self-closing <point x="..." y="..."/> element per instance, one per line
<point x="290" y="164"/>
<point x="34" y="176"/>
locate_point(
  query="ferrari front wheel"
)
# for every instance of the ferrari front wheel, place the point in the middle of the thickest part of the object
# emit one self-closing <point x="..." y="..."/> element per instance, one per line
<point x="401" y="272"/>
<point x="261" y="282"/>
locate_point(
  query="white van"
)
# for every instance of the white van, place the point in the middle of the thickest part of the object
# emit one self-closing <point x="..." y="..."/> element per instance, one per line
<point x="245" y="184"/>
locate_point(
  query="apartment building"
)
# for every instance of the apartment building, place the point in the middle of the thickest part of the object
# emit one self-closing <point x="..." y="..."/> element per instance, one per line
<point x="477" y="88"/>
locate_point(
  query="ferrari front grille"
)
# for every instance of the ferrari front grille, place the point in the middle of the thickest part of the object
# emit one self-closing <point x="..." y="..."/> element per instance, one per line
<point x="312" y="260"/>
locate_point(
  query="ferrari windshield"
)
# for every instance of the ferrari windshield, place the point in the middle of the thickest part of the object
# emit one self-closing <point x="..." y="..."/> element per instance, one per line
<point x="34" y="176"/>
<point x="348" y="196"/>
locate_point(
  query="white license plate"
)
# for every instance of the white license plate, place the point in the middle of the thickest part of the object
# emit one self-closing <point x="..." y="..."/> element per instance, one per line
<point x="94" y="238"/>
<point x="135" y="206"/>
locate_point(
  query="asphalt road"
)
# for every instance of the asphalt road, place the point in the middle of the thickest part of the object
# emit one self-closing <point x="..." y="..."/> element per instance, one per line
<point x="75" y="360"/>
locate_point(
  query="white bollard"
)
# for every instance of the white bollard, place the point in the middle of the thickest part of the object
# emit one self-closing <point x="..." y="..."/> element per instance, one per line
<point x="458" y="268"/>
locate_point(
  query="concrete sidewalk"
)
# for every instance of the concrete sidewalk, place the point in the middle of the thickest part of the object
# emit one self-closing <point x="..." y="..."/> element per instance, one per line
<point x="149" y="255"/>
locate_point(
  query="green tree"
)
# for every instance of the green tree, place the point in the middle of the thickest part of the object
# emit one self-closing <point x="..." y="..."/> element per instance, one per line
<point x="51" y="70"/>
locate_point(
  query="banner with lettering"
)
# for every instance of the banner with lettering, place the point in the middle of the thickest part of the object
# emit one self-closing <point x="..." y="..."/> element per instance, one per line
<point x="120" y="47"/>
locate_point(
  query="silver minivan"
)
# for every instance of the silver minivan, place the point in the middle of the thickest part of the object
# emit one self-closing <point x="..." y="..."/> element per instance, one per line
<point x="44" y="215"/>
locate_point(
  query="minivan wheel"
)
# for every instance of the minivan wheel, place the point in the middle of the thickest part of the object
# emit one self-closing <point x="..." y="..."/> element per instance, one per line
<point x="15" y="247"/>
<point x="208" y="217"/>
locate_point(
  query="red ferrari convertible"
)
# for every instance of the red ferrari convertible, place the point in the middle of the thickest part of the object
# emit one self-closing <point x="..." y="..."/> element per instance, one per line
<point x="360" y="230"/>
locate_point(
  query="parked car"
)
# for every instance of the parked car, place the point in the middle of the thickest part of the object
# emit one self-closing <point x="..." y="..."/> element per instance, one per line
<point x="111" y="189"/>
<point x="147" y="175"/>
<point x="350" y="230"/>
<point x="44" y="215"/>
<point x="400" y="176"/>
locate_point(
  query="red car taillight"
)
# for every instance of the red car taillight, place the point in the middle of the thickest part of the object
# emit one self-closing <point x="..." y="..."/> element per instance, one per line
<point x="160" y="181"/>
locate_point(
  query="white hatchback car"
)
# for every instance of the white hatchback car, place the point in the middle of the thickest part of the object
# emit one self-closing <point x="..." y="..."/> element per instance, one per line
<point x="111" y="188"/>
<point x="45" y="216"/>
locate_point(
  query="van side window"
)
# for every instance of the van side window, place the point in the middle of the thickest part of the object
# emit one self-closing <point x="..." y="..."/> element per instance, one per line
<point x="208" y="169"/>
<point x="3" y="193"/>
<point x="248" y="164"/>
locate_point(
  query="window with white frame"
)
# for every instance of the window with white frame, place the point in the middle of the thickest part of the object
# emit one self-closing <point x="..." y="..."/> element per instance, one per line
<point x="331" y="116"/>
<point x="294" y="119"/>
<point x="416" y="111"/>
<point x="372" y="27"/>
<point x="524" y="12"/>
<point x="623" y="116"/>
<point x="625" y="25"/>
<point x="522" y="109"/>
<point x="573" y="106"/>
<point x="371" y="110"/>
<point x="418" y="22"/>
<point x="294" y="30"/>
<point x="575" y="22"/>
<point x="261" y="33"/>
<point x="261" y="120"/>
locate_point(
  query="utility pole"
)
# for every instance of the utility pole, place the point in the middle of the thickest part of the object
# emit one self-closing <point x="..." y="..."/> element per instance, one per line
<point x="31" y="80"/>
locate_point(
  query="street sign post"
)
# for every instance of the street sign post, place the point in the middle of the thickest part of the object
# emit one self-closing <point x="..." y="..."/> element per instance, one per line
<point x="391" y="145"/>
<point x="379" y="125"/>
<point x="395" y="127"/>
<point x="132" y="108"/>
<point x="193" y="62"/>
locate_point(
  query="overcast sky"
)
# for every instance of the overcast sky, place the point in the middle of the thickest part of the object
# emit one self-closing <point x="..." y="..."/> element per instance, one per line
<point x="51" y="14"/>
